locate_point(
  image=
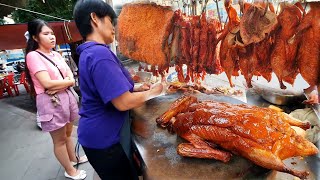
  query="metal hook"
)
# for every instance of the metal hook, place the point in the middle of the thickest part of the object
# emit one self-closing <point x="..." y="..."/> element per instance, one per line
<point x="184" y="6"/>
<point x="178" y="4"/>
<point x="277" y="8"/>
<point x="266" y="9"/>
<point x="304" y="11"/>
<point x="217" y="6"/>
<point x="194" y="7"/>
<point x="205" y="6"/>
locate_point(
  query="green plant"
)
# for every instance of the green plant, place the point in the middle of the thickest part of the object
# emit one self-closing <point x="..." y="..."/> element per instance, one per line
<point x="58" y="8"/>
<point x="1" y="21"/>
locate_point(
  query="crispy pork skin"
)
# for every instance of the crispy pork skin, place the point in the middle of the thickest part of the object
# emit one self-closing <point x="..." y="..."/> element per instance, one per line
<point x="144" y="30"/>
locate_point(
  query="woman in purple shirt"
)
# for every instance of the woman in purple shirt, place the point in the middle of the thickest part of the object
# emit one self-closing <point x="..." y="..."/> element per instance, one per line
<point x="107" y="90"/>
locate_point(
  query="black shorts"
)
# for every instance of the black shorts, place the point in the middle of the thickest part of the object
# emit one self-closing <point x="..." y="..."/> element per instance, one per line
<point x="111" y="163"/>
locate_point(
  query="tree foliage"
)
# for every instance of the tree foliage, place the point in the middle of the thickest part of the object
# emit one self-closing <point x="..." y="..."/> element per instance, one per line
<point x="1" y="21"/>
<point x="4" y="10"/>
<point x="58" y="8"/>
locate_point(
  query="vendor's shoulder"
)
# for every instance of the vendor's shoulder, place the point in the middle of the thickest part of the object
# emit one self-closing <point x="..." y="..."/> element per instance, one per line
<point x="100" y="53"/>
<point x="99" y="49"/>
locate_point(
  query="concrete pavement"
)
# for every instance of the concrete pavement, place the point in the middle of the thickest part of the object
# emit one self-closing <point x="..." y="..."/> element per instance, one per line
<point x="26" y="153"/>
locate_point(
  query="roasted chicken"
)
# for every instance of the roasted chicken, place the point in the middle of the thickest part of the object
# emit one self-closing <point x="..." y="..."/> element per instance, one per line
<point x="261" y="135"/>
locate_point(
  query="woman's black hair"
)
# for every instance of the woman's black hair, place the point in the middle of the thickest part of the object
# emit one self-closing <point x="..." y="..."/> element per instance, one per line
<point x="84" y="8"/>
<point x="34" y="29"/>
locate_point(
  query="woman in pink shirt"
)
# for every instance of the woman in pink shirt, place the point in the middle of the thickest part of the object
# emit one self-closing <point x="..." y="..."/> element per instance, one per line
<point x="57" y="107"/>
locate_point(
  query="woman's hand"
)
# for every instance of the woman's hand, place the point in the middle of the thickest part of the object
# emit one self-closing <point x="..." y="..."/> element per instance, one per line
<point x="70" y="79"/>
<point x="52" y="92"/>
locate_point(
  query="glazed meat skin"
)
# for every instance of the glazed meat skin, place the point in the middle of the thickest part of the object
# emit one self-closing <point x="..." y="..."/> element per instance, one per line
<point x="256" y="23"/>
<point x="283" y="57"/>
<point x="133" y="23"/>
<point x="309" y="51"/>
<point x="228" y="53"/>
<point x="261" y="135"/>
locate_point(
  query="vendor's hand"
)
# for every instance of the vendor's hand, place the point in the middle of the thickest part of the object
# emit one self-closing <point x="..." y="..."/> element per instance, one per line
<point x="70" y="79"/>
<point x="313" y="99"/>
<point x="310" y="90"/>
<point x="144" y="87"/>
<point x="157" y="88"/>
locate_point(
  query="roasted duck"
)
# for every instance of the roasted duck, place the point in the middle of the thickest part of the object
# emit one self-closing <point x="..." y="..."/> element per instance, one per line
<point x="283" y="57"/>
<point x="309" y="50"/>
<point x="261" y="135"/>
<point x="228" y="52"/>
<point x="256" y="23"/>
<point x="255" y="40"/>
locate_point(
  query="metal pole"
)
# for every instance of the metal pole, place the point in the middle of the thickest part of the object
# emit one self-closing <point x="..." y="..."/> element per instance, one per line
<point x="216" y="1"/>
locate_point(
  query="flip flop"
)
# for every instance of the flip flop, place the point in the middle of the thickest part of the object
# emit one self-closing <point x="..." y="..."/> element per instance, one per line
<point x="83" y="159"/>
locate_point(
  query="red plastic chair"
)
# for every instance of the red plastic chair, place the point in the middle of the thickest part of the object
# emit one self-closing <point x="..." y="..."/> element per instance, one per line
<point x="6" y="86"/>
<point x="10" y="84"/>
<point x="1" y="88"/>
<point x="22" y="81"/>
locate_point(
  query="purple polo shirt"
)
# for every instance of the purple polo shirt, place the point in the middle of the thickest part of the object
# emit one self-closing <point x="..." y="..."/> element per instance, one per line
<point x="102" y="78"/>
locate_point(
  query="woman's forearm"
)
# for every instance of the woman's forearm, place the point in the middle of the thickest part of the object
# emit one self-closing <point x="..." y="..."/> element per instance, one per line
<point x="58" y="84"/>
<point x="49" y="84"/>
<point x="57" y="89"/>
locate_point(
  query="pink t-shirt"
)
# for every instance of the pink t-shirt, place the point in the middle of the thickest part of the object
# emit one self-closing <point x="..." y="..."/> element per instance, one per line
<point x="37" y="63"/>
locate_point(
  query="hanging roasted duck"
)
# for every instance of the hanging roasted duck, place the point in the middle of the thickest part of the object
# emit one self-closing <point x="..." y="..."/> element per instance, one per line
<point x="254" y="42"/>
<point x="261" y="135"/>
<point x="308" y="55"/>
<point x="228" y="52"/>
<point x="283" y="57"/>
